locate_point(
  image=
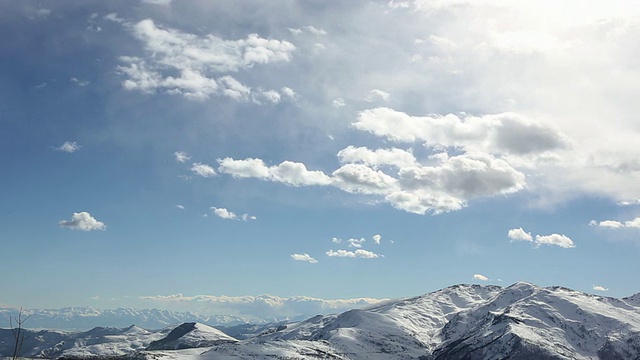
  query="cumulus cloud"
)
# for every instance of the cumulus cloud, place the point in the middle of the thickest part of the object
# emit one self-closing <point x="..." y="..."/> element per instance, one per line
<point x="256" y="308"/>
<point x="506" y="133"/>
<point x="198" y="67"/>
<point x="287" y="172"/>
<point x="359" y="253"/>
<point x="599" y="288"/>
<point x="519" y="235"/>
<point x="229" y="215"/>
<point x="181" y="156"/>
<point x="562" y="241"/>
<point x="614" y="224"/>
<point x="203" y="170"/>
<point x="304" y="257"/>
<point x="69" y="147"/>
<point x="480" y="277"/>
<point x="83" y="221"/>
<point x="445" y="185"/>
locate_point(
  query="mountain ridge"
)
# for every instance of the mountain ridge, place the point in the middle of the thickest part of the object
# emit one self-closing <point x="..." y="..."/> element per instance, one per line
<point x="465" y="321"/>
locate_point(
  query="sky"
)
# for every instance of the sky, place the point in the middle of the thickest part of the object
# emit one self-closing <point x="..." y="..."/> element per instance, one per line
<point x="201" y="155"/>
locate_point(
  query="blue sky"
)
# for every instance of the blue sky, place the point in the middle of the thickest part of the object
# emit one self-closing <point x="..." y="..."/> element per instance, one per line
<point x="188" y="154"/>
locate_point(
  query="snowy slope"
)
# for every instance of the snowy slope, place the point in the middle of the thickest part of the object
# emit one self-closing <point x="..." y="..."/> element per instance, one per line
<point x="521" y="321"/>
<point x="191" y="335"/>
<point x="111" y="341"/>
<point x="471" y="322"/>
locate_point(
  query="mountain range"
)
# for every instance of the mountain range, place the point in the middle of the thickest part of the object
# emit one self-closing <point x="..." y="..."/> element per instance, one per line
<point x="521" y="321"/>
<point x="85" y="318"/>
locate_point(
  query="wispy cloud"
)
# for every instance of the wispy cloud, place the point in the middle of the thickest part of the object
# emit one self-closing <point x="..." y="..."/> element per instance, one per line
<point x="181" y="156"/>
<point x="600" y="288"/>
<point x="229" y="215"/>
<point x="376" y="239"/>
<point x="83" y="221"/>
<point x="377" y="95"/>
<point x="198" y="67"/>
<point x="69" y="147"/>
<point x="480" y="277"/>
<point x="304" y="257"/>
<point x="203" y="170"/>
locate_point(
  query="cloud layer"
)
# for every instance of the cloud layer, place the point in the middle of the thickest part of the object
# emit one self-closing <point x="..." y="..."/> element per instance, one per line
<point x="259" y="307"/>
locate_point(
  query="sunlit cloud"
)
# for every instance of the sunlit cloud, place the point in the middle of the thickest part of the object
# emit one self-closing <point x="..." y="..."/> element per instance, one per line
<point x="83" y="221"/>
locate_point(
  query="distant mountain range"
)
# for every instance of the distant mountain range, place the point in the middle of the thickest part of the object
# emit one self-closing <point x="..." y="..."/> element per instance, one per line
<point x="82" y="318"/>
<point x="470" y="322"/>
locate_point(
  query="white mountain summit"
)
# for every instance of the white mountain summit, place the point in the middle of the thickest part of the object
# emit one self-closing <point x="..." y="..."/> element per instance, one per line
<point x="521" y="321"/>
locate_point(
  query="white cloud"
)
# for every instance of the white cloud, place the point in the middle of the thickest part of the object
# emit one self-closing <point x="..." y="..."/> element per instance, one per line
<point x="309" y="29"/>
<point x="158" y="2"/>
<point x="80" y="83"/>
<point x="599" y="288"/>
<point x="613" y="224"/>
<point x="360" y="253"/>
<point x="480" y="277"/>
<point x="339" y="102"/>
<point x="444" y="186"/>
<point x="376" y="239"/>
<point x="69" y="147"/>
<point x="304" y="257"/>
<point x="83" y="221"/>
<point x="256" y="308"/>
<point x="287" y="172"/>
<point x="180" y="207"/>
<point x="519" y="235"/>
<point x="203" y="170"/>
<point x="506" y="133"/>
<point x="229" y="215"/>
<point x="376" y="94"/>
<point x="181" y="156"/>
<point x="356" y="243"/>
<point x="555" y="239"/>
<point x="358" y="178"/>
<point x="336" y="240"/>
<point x="288" y="92"/>
<point x="376" y="158"/>
<point x="197" y="67"/>
<point x="114" y="17"/>
<point x="629" y="202"/>
<point x="562" y="241"/>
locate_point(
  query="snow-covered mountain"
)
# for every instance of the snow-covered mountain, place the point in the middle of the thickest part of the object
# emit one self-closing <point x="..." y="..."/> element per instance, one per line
<point x="112" y="341"/>
<point x="521" y="321"/>
<point x="82" y="318"/>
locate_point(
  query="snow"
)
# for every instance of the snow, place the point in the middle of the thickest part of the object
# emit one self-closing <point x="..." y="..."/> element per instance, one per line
<point x="462" y="321"/>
